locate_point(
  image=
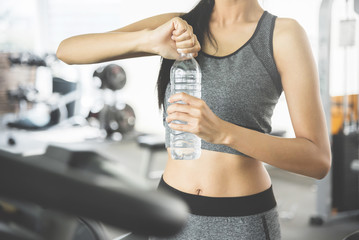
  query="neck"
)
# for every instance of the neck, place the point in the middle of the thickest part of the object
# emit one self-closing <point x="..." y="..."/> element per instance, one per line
<point x="232" y="11"/>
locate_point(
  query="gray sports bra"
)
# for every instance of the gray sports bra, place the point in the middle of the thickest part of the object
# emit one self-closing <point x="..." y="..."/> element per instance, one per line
<point x="241" y="88"/>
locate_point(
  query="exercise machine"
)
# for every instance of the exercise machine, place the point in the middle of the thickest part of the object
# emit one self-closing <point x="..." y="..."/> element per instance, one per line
<point x="68" y="194"/>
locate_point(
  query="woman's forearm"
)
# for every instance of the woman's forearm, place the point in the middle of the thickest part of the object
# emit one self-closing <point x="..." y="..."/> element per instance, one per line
<point x="100" y="47"/>
<point x="160" y="35"/>
<point x="298" y="155"/>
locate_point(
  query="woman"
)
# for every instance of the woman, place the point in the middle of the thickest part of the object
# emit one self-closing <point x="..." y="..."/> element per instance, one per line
<point x="248" y="58"/>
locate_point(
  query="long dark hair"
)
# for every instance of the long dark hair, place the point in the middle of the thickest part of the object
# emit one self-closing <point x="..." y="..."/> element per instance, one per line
<point x="198" y="18"/>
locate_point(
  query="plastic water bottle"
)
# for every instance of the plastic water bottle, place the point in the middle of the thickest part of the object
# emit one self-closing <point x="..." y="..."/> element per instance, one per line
<point x="185" y="77"/>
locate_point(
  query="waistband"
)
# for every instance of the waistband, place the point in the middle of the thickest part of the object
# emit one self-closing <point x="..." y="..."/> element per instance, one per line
<point x="224" y="206"/>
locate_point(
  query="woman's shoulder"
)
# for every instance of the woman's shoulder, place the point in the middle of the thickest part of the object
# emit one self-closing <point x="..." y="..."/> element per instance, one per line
<point x="288" y="29"/>
<point x="289" y="40"/>
<point x="288" y="35"/>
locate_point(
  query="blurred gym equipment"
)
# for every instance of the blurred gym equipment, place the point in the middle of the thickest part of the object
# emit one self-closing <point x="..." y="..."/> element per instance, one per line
<point x="41" y="194"/>
<point x="26" y="58"/>
<point x="119" y="118"/>
<point x="115" y="117"/>
<point x="353" y="236"/>
<point x="44" y="113"/>
<point x="151" y="144"/>
<point x="35" y="112"/>
<point x="345" y="190"/>
<point x="67" y="194"/>
<point x="112" y="77"/>
<point x="338" y="192"/>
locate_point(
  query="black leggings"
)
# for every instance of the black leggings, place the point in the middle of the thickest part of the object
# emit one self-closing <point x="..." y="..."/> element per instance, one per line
<point x="252" y="217"/>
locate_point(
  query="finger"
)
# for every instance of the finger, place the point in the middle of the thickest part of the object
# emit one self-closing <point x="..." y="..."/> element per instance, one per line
<point x="191" y="100"/>
<point x="195" y="54"/>
<point x="184" y="108"/>
<point x="193" y="50"/>
<point x="184" y="36"/>
<point x="197" y="44"/>
<point x="178" y="107"/>
<point x="185" y="44"/>
<point x="178" y="32"/>
<point x="180" y="26"/>
<point x="179" y="127"/>
<point x="178" y="116"/>
<point x="183" y="127"/>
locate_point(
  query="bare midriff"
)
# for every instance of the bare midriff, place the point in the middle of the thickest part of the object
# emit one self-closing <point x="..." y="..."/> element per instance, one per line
<point x="217" y="174"/>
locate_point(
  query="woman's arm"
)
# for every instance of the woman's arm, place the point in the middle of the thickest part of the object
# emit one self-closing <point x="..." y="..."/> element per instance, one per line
<point x="151" y="36"/>
<point x="309" y="152"/>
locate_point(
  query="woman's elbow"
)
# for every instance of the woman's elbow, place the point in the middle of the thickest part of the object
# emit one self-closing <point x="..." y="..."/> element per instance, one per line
<point x="62" y="54"/>
<point x="324" y="165"/>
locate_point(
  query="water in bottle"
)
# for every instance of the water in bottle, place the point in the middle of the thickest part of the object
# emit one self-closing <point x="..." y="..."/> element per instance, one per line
<point x="185" y="77"/>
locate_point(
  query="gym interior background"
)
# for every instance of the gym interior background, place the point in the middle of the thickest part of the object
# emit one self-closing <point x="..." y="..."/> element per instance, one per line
<point x="111" y="108"/>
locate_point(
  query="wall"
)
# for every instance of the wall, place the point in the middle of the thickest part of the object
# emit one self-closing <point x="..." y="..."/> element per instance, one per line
<point x="59" y="19"/>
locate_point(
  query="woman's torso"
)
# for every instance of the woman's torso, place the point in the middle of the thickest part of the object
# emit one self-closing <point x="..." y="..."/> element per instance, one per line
<point x="216" y="173"/>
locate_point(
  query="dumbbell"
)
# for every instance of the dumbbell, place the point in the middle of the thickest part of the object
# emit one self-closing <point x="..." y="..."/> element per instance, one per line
<point x="112" y="77"/>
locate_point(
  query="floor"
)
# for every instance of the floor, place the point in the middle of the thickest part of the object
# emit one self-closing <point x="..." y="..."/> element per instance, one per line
<point x="295" y="194"/>
<point x="296" y="197"/>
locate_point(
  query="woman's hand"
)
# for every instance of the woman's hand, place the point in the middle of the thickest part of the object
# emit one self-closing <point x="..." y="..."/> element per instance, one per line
<point x="172" y="37"/>
<point x="199" y="117"/>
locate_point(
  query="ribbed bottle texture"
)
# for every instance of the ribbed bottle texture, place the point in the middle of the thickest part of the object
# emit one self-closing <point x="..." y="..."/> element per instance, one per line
<point x="185" y="77"/>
